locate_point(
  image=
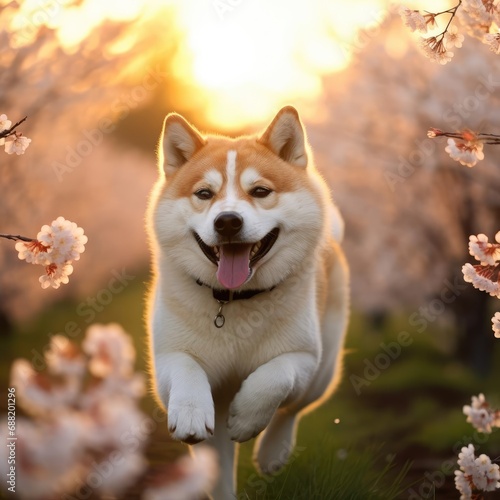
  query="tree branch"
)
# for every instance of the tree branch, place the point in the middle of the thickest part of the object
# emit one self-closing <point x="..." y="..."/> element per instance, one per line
<point x="10" y="131"/>
<point x="16" y="237"/>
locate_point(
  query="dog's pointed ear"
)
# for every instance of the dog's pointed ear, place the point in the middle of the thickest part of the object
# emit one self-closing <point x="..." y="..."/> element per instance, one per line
<point x="286" y="138"/>
<point x="179" y="142"/>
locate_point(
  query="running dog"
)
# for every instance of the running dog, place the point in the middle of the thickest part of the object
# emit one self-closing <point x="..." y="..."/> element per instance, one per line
<point x="250" y="296"/>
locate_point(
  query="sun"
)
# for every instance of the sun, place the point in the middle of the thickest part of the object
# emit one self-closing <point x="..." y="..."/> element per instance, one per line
<point x="248" y="58"/>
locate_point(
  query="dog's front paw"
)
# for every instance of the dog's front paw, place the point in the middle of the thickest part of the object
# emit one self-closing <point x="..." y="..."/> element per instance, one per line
<point x="191" y="421"/>
<point x="248" y="416"/>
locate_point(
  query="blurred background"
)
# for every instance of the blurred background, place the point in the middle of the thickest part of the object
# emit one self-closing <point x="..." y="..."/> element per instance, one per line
<point x="96" y="80"/>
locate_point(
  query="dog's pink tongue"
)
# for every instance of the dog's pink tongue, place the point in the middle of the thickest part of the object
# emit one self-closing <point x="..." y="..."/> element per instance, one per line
<point x="234" y="265"/>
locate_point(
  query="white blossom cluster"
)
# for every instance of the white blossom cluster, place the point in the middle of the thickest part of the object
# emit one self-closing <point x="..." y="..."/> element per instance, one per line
<point x="488" y="254"/>
<point x="14" y="142"/>
<point x="481" y="415"/>
<point x="479" y="18"/>
<point x="414" y="20"/>
<point x="481" y="278"/>
<point x="466" y="152"/>
<point x="485" y="276"/>
<point x="84" y="417"/>
<point x="475" y="474"/>
<point x="496" y="324"/>
<point x="465" y="146"/>
<point x="55" y="247"/>
<point x="436" y="48"/>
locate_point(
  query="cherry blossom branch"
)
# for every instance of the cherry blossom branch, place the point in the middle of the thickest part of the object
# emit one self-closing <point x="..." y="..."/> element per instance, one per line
<point x="14" y="141"/>
<point x="16" y="237"/>
<point x="480" y="20"/>
<point x="476" y="474"/>
<point x="482" y="415"/>
<point x="432" y="16"/>
<point x="11" y="130"/>
<point x="465" y="146"/>
<point x="452" y="11"/>
<point x="55" y="248"/>
<point x="436" y="44"/>
<point x="490" y="138"/>
<point x="435" y="132"/>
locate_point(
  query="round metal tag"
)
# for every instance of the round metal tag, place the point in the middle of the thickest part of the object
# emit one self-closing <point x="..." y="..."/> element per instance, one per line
<point x="219" y="320"/>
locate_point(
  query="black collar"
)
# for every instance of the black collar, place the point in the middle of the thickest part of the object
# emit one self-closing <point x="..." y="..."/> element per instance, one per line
<point x="224" y="295"/>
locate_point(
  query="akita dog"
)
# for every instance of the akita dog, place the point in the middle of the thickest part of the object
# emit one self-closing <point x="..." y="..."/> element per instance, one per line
<point x="249" y="303"/>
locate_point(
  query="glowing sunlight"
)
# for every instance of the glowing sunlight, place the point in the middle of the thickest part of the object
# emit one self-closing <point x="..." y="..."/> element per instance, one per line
<point x="236" y="60"/>
<point x="259" y="55"/>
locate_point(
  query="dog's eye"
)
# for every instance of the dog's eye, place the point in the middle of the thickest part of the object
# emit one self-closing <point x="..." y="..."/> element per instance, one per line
<point x="260" y="192"/>
<point x="204" y="194"/>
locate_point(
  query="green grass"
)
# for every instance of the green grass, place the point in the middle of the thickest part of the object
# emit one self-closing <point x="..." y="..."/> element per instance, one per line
<point x="317" y="471"/>
<point x="410" y="413"/>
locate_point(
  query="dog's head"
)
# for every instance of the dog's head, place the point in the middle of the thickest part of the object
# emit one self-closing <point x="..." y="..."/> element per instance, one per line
<point x="237" y="213"/>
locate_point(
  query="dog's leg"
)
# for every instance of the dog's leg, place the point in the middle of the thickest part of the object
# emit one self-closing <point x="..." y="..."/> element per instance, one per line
<point x="227" y="451"/>
<point x="281" y="379"/>
<point x="274" y="446"/>
<point x="183" y="387"/>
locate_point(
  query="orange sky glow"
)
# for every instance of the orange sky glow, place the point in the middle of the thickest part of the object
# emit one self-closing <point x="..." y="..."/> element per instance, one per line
<point x="242" y="59"/>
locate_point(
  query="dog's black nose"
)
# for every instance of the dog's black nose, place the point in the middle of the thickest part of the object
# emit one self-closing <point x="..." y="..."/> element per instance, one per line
<point x="228" y="224"/>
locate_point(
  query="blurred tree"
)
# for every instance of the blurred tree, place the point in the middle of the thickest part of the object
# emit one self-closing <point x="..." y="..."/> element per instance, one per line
<point x="75" y="90"/>
<point x="409" y="208"/>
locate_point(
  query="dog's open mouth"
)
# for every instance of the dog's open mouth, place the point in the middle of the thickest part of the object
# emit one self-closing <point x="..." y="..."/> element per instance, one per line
<point x="235" y="260"/>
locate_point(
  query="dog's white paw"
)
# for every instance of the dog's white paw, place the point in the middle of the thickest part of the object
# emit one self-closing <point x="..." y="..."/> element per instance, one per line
<point x="248" y="416"/>
<point x="191" y="421"/>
